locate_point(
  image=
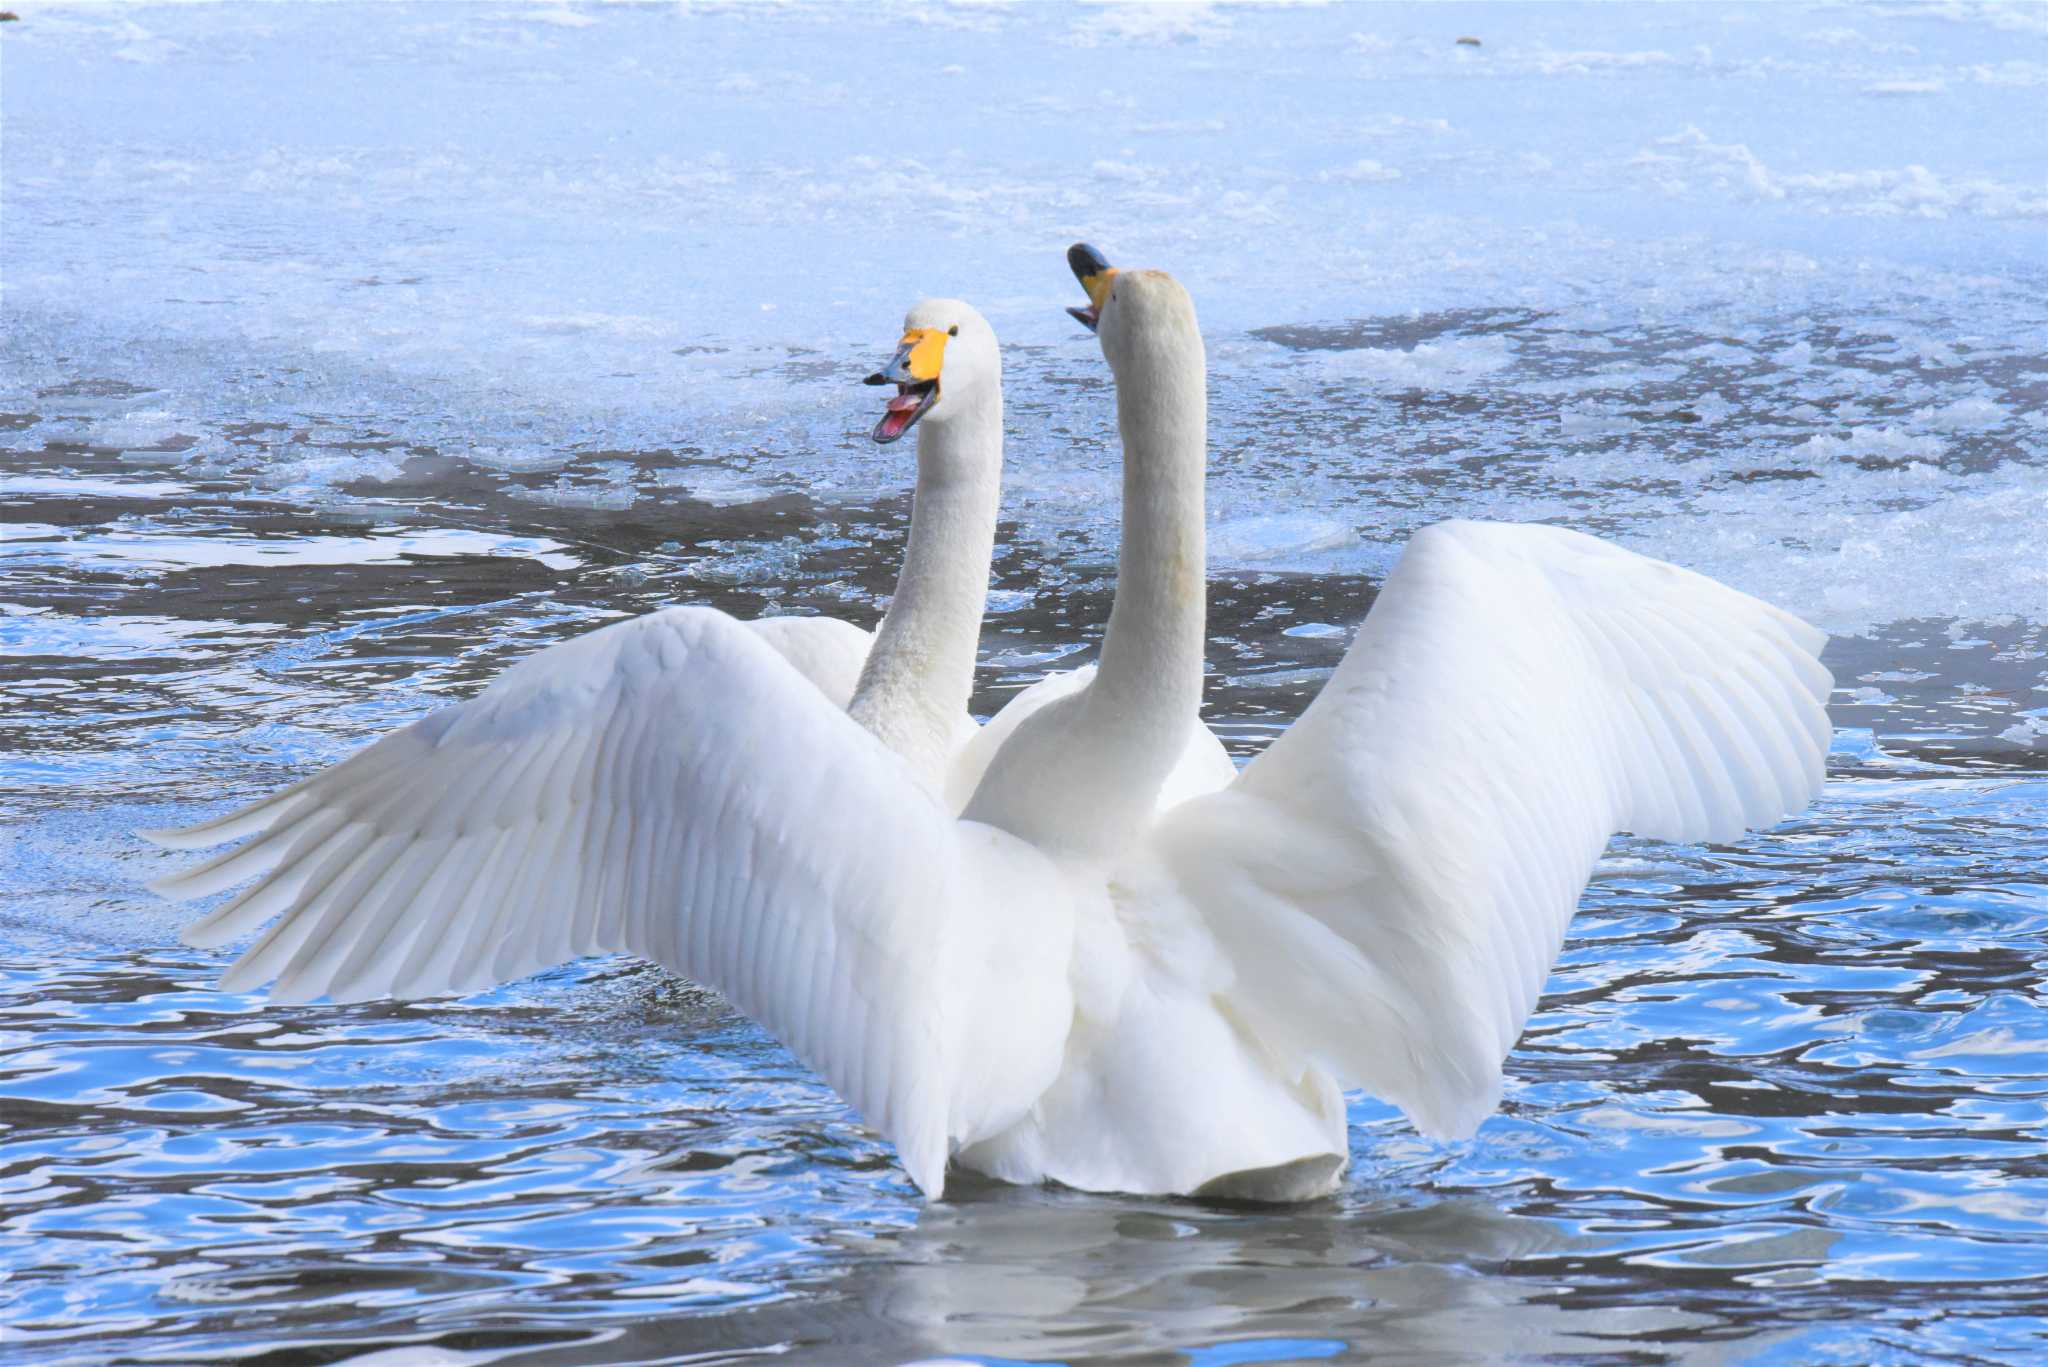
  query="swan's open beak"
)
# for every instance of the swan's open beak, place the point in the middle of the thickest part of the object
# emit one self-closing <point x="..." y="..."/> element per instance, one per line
<point x="1093" y="270"/>
<point x="914" y="370"/>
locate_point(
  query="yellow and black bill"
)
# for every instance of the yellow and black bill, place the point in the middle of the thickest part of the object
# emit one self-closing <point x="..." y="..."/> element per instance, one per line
<point x="1093" y="270"/>
<point x="914" y="370"/>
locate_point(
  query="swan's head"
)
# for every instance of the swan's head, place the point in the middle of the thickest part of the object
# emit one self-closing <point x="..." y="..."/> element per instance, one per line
<point x="946" y="364"/>
<point x="1093" y="270"/>
<point x="1131" y="311"/>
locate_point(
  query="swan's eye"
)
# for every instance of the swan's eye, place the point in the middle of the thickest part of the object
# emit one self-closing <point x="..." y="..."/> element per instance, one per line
<point x="953" y="331"/>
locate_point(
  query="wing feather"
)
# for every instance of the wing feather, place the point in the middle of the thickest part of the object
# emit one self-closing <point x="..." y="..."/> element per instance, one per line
<point x="1392" y="880"/>
<point x="683" y="788"/>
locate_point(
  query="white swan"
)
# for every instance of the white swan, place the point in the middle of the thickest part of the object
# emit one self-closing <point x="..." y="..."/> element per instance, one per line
<point x="910" y="682"/>
<point x="1059" y="986"/>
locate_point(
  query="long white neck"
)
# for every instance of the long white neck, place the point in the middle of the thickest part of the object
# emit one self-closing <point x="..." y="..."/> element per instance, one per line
<point x="1083" y="774"/>
<point x="914" y="689"/>
<point x="1148" y="689"/>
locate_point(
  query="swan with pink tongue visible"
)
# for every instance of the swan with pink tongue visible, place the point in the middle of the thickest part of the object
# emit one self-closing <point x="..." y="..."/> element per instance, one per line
<point x="1076" y="980"/>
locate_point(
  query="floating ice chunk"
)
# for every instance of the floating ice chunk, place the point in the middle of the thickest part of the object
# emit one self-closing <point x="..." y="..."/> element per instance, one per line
<point x="518" y="459"/>
<point x="561" y="16"/>
<point x="1363" y="171"/>
<point x="2014" y="74"/>
<point x="612" y="324"/>
<point x="1881" y="444"/>
<point x="2027" y="17"/>
<point x="1585" y="422"/>
<point x="721" y="487"/>
<point x="1314" y="630"/>
<point x="1848" y="37"/>
<point x="1962" y="415"/>
<point x="564" y="493"/>
<point x="1717" y="353"/>
<point x="1622" y="375"/>
<point x="1183" y="126"/>
<point x="1027" y="657"/>
<point x="1455" y="363"/>
<point x="1910" y="344"/>
<point x="317" y="476"/>
<point x="1251" y="540"/>
<point x="1592" y="63"/>
<point x="1194" y="23"/>
<point x="154" y="429"/>
<point x="1910" y="191"/>
<point x="1711" y="407"/>
<point x="1858" y="547"/>
<point x="1126" y="171"/>
<point x="143" y="47"/>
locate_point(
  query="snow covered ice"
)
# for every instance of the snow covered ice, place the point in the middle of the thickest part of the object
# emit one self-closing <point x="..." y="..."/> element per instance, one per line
<point x="1757" y="288"/>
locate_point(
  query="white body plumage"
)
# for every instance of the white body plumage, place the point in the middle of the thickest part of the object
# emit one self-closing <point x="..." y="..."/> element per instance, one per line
<point x="1083" y="978"/>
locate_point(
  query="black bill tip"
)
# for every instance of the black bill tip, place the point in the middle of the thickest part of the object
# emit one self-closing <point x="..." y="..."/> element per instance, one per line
<point x="1086" y="262"/>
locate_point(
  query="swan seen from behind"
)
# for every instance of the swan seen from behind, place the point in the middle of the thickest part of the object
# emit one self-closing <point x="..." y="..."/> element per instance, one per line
<point x="1069" y="983"/>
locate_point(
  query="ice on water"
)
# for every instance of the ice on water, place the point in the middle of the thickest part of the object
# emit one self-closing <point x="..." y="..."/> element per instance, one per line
<point x="1757" y="287"/>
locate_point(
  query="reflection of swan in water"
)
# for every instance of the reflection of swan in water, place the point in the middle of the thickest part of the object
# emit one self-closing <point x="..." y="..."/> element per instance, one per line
<point x="1008" y="1278"/>
<point x="1037" y="1275"/>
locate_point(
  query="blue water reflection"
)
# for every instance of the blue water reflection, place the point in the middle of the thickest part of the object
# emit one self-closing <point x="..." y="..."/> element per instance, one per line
<point x="1783" y="1093"/>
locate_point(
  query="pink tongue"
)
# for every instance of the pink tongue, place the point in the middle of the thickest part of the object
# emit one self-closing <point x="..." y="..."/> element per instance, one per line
<point x="895" y="420"/>
<point x="905" y="403"/>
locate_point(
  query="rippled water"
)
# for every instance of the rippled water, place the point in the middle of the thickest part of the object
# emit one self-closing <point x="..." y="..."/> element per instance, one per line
<point x="317" y="413"/>
<point x="1784" y="1096"/>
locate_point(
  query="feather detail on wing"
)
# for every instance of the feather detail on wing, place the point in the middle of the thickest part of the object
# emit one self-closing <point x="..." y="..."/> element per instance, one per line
<point x="1392" y="879"/>
<point x="668" y="786"/>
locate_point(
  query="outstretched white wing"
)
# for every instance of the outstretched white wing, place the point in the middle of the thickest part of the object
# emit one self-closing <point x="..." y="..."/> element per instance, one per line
<point x="1392" y="879"/>
<point x="668" y="786"/>
<point x="828" y="652"/>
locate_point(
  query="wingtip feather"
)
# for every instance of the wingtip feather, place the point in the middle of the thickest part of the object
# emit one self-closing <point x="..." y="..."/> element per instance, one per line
<point x="248" y="819"/>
